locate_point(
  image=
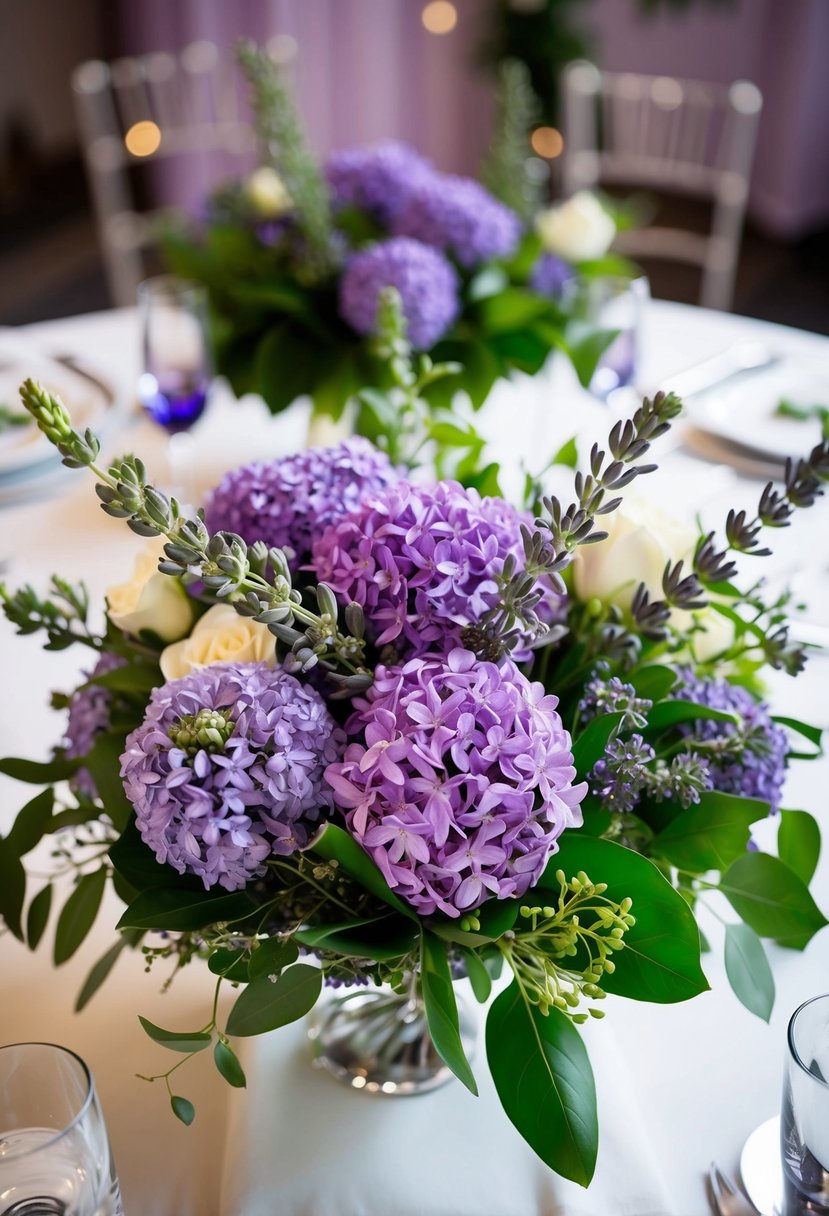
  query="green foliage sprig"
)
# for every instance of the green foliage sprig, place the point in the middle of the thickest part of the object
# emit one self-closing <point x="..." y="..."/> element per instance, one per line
<point x="505" y="168"/>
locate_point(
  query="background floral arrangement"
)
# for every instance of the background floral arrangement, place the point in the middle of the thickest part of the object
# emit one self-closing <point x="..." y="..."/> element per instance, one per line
<point x="440" y="735"/>
<point x="295" y="257"/>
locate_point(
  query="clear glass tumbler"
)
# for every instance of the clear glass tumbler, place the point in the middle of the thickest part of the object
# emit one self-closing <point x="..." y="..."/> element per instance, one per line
<point x="607" y="302"/>
<point x="55" y="1158"/>
<point x="804" y="1123"/>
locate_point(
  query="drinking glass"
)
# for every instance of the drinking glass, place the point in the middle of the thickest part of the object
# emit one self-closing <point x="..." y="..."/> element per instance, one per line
<point x="804" y="1122"/>
<point x="55" y="1158"/>
<point x="607" y="302"/>
<point x="175" y="380"/>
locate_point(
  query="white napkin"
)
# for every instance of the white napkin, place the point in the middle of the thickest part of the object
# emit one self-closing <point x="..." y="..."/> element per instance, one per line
<point x="303" y="1144"/>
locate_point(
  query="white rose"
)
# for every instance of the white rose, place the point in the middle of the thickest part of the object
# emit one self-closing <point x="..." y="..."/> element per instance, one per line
<point x="714" y="633"/>
<point x="220" y="636"/>
<point x="267" y="194"/>
<point x="641" y="540"/>
<point x="579" y="230"/>
<point x="150" y="600"/>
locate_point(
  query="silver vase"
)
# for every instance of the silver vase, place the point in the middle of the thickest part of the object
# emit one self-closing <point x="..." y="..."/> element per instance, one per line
<point x="377" y="1041"/>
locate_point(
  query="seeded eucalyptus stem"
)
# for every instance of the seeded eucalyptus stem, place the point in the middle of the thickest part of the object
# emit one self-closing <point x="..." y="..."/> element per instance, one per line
<point x="255" y="579"/>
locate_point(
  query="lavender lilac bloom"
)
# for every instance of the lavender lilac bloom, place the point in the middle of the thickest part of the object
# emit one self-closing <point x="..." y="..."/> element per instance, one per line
<point x="379" y="180"/>
<point x="549" y="275"/>
<point x="755" y="765"/>
<point x="422" y="562"/>
<point x="286" y="502"/>
<point x="458" y="215"/>
<point x="428" y="286"/>
<point x="621" y="775"/>
<point x="607" y="694"/>
<point x="89" y="711"/>
<point x="226" y="770"/>
<point x="460" y="781"/>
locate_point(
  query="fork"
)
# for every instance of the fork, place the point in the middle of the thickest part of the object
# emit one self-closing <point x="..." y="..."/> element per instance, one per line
<point x="725" y="1196"/>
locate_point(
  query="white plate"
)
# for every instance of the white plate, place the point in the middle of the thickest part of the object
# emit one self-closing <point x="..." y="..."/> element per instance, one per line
<point x="745" y="412"/>
<point x="86" y="395"/>
<point x="761" y="1169"/>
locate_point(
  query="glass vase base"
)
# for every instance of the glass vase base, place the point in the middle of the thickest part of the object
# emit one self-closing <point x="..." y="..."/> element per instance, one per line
<point x="377" y="1042"/>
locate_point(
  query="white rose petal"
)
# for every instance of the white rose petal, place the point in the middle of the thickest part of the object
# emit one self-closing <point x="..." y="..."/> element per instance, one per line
<point x="150" y="600"/>
<point x="579" y="230"/>
<point x="220" y="636"/>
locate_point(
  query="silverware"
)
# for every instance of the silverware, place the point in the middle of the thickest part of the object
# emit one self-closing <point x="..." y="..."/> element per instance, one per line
<point x="741" y="457"/>
<point x="743" y="358"/>
<point x="725" y="1196"/>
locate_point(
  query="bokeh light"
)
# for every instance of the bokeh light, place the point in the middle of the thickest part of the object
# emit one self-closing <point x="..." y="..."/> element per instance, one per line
<point x="439" y="17"/>
<point x="143" y="138"/>
<point x="547" y="142"/>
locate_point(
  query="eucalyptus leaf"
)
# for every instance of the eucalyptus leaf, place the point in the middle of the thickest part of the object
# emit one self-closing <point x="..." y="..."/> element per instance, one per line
<point x="38" y="916"/>
<point x="12" y="889"/>
<point x="748" y="970"/>
<point x="265" y="1005"/>
<point x="186" y="1041"/>
<point x="543" y="1077"/>
<point x="227" y="1062"/>
<point x="32" y="823"/>
<point x="183" y="1109"/>
<point x="442" y="1009"/>
<point x="180" y="910"/>
<point x="78" y="914"/>
<point x="231" y="965"/>
<point x="272" y="956"/>
<point x="35" y="773"/>
<point x="798" y="843"/>
<point x="103" y="967"/>
<point x="772" y="899"/>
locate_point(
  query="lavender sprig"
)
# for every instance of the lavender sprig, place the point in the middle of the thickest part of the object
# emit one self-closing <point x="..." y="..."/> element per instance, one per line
<point x="254" y="578"/>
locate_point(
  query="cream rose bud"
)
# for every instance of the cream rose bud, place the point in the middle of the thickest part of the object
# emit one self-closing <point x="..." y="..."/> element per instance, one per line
<point x="220" y="636"/>
<point x="267" y="193"/>
<point x="579" y="230"/>
<point x="150" y="600"/>
<point x="641" y="540"/>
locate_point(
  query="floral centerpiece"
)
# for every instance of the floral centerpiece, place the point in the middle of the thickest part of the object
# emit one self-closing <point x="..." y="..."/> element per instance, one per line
<point x="296" y="254"/>
<point x="347" y="727"/>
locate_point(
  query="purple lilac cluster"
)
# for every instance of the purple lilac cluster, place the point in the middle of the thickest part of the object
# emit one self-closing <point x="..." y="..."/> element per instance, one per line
<point x="549" y="274"/>
<point x="428" y="285"/>
<point x="285" y="502"/>
<point x="607" y="694"/>
<point x="620" y="776"/>
<point x="89" y="711"/>
<point x="377" y="179"/>
<point x="460" y="782"/>
<point x="422" y="562"/>
<point x="755" y="766"/>
<point x="227" y="769"/>
<point x="458" y="215"/>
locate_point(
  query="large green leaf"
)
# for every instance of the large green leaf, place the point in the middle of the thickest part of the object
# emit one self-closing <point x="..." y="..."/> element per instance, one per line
<point x="814" y="734"/>
<point x="12" y="889"/>
<point x="748" y="970"/>
<point x="543" y="1077"/>
<point x="710" y="835"/>
<point x="264" y="1005"/>
<point x="180" y="910"/>
<point x="772" y="900"/>
<point x="585" y="347"/>
<point x="798" y="843"/>
<point x="78" y="914"/>
<point x="271" y="956"/>
<point x="661" y="958"/>
<point x="653" y="681"/>
<point x="104" y="763"/>
<point x="32" y="823"/>
<point x="670" y="713"/>
<point x="289" y="364"/>
<point x="137" y="677"/>
<point x="380" y="938"/>
<point x="510" y="309"/>
<point x="442" y="1009"/>
<point x="185" y="1041"/>
<point x="33" y="772"/>
<point x="334" y="844"/>
<point x="479" y="977"/>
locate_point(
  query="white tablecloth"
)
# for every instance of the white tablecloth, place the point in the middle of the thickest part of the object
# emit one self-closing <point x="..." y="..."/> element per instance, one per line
<point x="679" y="1085"/>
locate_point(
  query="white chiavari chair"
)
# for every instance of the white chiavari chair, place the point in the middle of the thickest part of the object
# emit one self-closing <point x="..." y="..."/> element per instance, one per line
<point x="664" y="133"/>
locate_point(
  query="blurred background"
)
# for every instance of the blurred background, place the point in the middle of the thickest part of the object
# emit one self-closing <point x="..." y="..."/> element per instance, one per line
<point x="423" y="71"/>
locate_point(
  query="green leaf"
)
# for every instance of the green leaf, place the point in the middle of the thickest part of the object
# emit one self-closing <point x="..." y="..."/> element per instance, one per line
<point x="442" y="1009"/>
<point x="543" y="1077"/>
<point x="137" y="863"/>
<point x="589" y="746"/>
<point x="814" y="734"/>
<point x="38" y="916"/>
<point x="653" y="682"/>
<point x="272" y="956"/>
<point x="181" y="910"/>
<point x="228" y="1065"/>
<point x="670" y="713"/>
<point x="78" y="914"/>
<point x="104" y="763"/>
<point x="103" y="967"/>
<point x="136" y="677"/>
<point x="35" y="773"/>
<point x="12" y="889"/>
<point x="186" y="1041"/>
<point x="264" y="1005"/>
<point x="231" y="965"/>
<point x="710" y="835"/>
<point x="661" y="958"/>
<point x="334" y="844"/>
<point x="32" y="823"/>
<point x="567" y="454"/>
<point x="289" y="364"/>
<point x="584" y="350"/>
<point x="798" y="843"/>
<point x="479" y="977"/>
<point x="487" y="282"/>
<point x="496" y="917"/>
<point x="748" y="970"/>
<point x="183" y="1109"/>
<point x="772" y="899"/>
<point x="511" y="309"/>
<point x="382" y="939"/>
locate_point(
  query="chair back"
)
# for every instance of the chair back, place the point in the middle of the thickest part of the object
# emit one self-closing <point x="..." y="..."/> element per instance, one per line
<point x="660" y="132"/>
